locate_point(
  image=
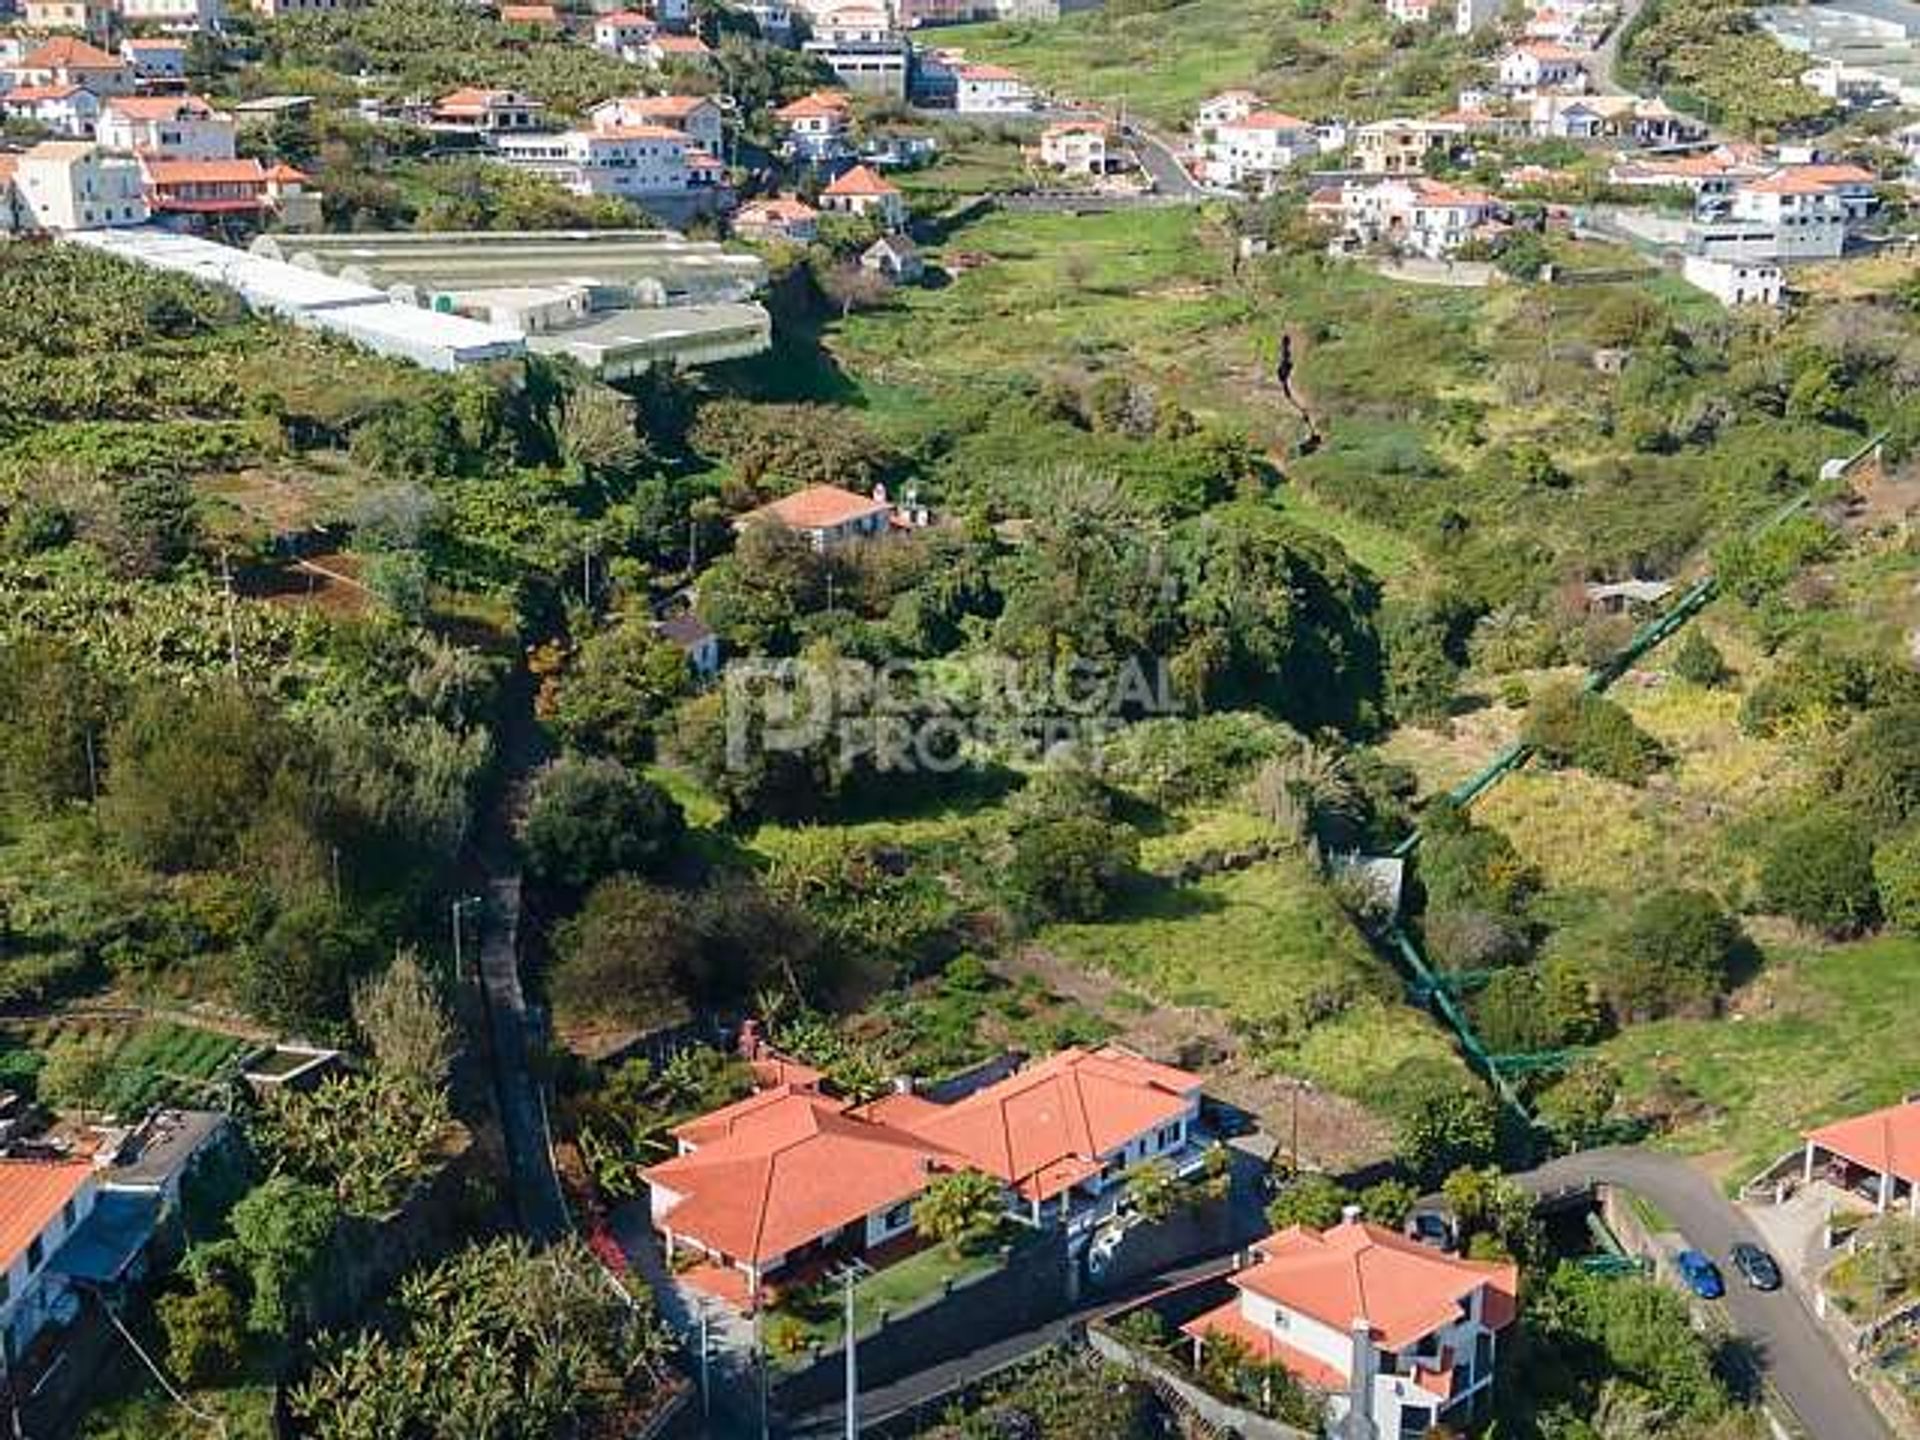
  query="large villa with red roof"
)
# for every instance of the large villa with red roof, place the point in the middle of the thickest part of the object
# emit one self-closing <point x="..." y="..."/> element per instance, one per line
<point x="1379" y="1323"/>
<point x="792" y="1174"/>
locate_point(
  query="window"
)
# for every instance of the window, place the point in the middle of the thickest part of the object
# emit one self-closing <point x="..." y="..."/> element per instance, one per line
<point x="36" y="1254"/>
<point x="898" y="1216"/>
<point x="66" y="1215"/>
<point x="1169" y="1135"/>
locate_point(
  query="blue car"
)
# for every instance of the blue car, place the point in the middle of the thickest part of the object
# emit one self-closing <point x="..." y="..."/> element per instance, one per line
<point x="1701" y="1274"/>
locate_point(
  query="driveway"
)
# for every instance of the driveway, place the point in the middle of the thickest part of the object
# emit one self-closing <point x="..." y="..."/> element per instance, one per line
<point x="1790" y="1345"/>
<point x="1607" y="53"/>
<point x="1158" y="158"/>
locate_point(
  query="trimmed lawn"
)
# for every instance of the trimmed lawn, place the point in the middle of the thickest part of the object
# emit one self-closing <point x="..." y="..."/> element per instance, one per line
<point x="815" y="1315"/>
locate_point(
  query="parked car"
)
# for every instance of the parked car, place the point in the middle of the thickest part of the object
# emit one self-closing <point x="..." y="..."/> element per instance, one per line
<point x="1432" y="1228"/>
<point x="1701" y="1274"/>
<point x="1756" y="1266"/>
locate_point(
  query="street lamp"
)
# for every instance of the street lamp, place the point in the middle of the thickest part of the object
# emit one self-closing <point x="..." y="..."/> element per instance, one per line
<point x="463" y="903"/>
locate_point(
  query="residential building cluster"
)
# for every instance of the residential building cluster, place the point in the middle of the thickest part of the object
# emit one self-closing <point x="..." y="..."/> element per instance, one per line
<point x="765" y="1191"/>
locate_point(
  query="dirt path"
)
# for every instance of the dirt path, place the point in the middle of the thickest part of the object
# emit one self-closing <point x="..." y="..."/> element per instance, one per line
<point x="1336" y="1133"/>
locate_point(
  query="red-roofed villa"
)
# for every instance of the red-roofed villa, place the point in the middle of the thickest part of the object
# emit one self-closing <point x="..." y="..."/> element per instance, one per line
<point x="773" y="1186"/>
<point x="1387" y="1328"/>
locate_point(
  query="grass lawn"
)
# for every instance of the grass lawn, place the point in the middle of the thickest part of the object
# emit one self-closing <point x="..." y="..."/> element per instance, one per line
<point x="1824" y="1032"/>
<point x="1147" y="292"/>
<point x="815" y="1316"/>
<point x="1162" y="61"/>
<point x="1269" y="949"/>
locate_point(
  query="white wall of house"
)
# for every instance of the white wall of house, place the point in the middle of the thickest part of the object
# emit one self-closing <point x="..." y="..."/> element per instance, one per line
<point x="205" y="137"/>
<point x="29" y="1293"/>
<point x="1805" y="227"/>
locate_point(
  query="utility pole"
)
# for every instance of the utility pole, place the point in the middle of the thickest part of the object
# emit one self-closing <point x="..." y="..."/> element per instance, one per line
<point x="853" y="1364"/>
<point x="459" y="905"/>
<point x="233" y="632"/>
<point x="706" y="1386"/>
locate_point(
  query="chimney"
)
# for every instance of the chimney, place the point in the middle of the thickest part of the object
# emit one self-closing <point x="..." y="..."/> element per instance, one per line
<point x="1360" y="1377"/>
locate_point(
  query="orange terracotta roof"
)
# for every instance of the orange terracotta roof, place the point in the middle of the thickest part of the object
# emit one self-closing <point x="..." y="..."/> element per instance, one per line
<point x="783" y="210"/>
<point x="33" y="94"/>
<point x="68" y="53"/>
<point x="1268" y="120"/>
<point x="160" y="107"/>
<point x="1886" y="1140"/>
<point x="720" y="1124"/>
<point x="800" y="1169"/>
<point x="987" y="72"/>
<point x="1048" y="1127"/>
<point x="9" y="165"/>
<point x="204" y="172"/>
<point x="819" y="507"/>
<point x="1357" y="1271"/>
<point x="770" y="1069"/>
<point x="680" y="44"/>
<point x="820" y="102"/>
<point x="637" y="132"/>
<point x="1789" y="182"/>
<point x="1546" y="50"/>
<point x="32" y="1192"/>
<point x="1435" y="192"/>
<point x="1227" y="1322"/>
<point x="677" y="105"/>
<point x="861" y="180"/>
<point x="530" y="14"/>
<point x="625" y="19"/>
<point x="1840" y="174"/>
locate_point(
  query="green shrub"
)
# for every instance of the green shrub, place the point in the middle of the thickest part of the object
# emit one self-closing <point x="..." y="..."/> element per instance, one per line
<point x="1896" y="875"/>
<point x="1818" y="870"/>
<point x="1071" y="869"/>
<point x="1569" y="726"/>
<point x="1876" y="768"/>
<point x="1699" y="662"/>
<point x="1674" y="954"/>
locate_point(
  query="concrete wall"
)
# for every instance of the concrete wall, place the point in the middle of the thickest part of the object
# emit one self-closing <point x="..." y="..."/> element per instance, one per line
<point x="1220" y="1417"/>
<point x="1033" y="1288"/>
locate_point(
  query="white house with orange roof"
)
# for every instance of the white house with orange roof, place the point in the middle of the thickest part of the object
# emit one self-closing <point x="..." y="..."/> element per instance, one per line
<point x="473" y="110"/>
<point x="1875" y="1156"/>
<point x="1250" y="146"/>
<point x="785" y="1175"/>
<point x="192" y="193"/>
<point x="1398" y="1336"/>
<point x="665" y="49"/>
<point x="66" y="110"/>
<point x="990" y="90"/>
<point x="68" y="61"/>
<point x="826" y="514"/>
<point x="1804" y="212"/>
<point x="42" y="1202"/>
<point x="1410" y="12"/>
<point x="779" y="217"/>
<point x="791" y="1174"/>
<point x="1062" y="1133"/>
<point x="1414" y="215"/>
<point x="697" y="117"/>
<point x="170" y="127"/>
<point x="1535" y="65"/>
<point x="624" y="34"/>
<point x="816" y="126"/>
<point x="864" y="191"/>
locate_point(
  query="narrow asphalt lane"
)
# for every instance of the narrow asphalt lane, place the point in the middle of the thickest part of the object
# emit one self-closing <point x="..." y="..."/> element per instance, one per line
<point x="1159" y="159"/>
<point x="1794" y="1349"/>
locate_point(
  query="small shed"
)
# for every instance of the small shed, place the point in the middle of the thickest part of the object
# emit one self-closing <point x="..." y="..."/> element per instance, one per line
<point x="896" y="257"/>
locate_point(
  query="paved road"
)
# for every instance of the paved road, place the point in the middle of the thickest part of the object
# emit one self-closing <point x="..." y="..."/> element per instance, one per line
<point x="1607" y="53"/>
<point x="1158" y="159"/>
<point x="1803" y="1363"/>
<point x="536" y="1189"/>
